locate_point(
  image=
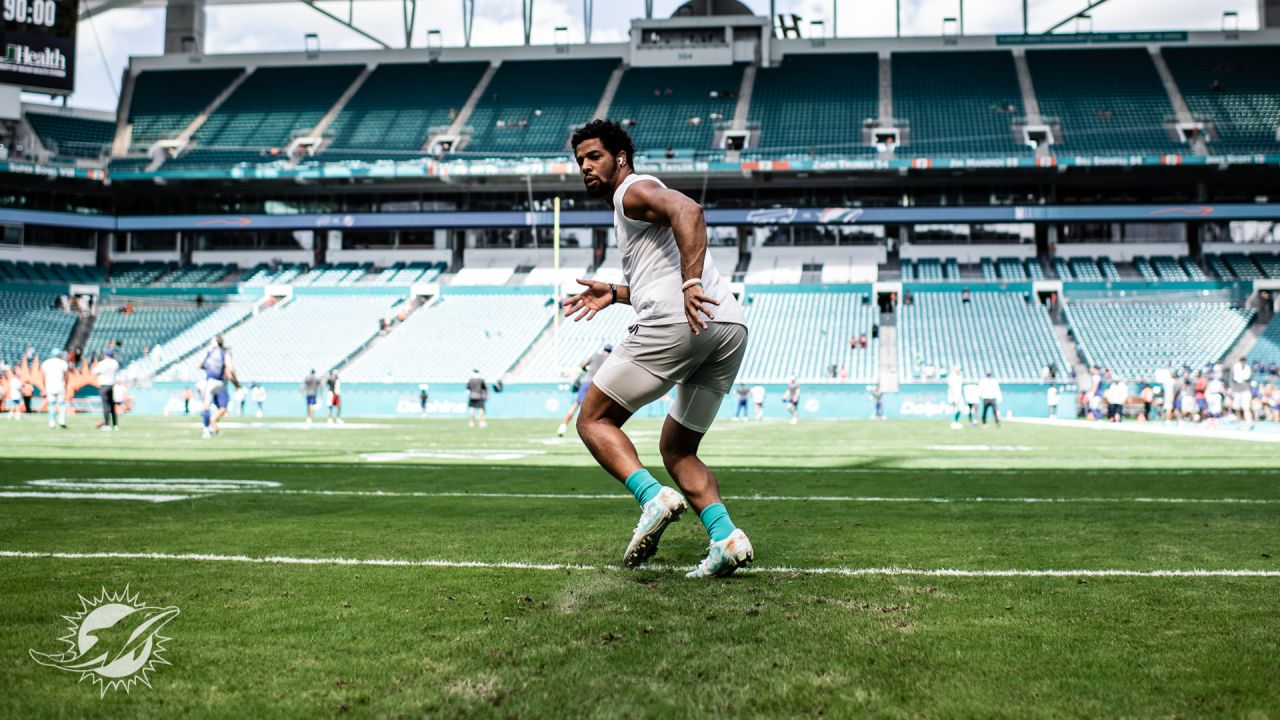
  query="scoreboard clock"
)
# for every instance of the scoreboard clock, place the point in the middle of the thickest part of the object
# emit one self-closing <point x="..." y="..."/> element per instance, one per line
<point x="38" y="45"/>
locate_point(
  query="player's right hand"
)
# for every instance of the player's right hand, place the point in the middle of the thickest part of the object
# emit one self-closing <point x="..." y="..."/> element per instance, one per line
<point x="590" y="301"/>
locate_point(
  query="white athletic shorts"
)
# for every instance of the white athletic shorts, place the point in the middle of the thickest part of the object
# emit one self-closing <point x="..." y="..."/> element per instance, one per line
<point x="652" y="359"/>
<point x="1243" y="400"/>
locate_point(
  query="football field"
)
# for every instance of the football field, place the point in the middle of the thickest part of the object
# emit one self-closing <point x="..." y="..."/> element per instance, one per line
<point x="423" y="569"/>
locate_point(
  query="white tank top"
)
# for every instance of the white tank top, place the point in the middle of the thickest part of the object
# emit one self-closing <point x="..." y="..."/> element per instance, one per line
<point x="651" y="262"/>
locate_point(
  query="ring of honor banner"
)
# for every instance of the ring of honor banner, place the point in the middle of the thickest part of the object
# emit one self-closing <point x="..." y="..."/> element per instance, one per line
<point x="38" y="45"/>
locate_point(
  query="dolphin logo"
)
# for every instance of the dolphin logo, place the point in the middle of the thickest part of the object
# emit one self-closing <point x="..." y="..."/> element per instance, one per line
<point x="113" y="640"/>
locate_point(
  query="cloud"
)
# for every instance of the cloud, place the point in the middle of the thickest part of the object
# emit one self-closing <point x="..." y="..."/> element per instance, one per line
<point x="281" y="27"/>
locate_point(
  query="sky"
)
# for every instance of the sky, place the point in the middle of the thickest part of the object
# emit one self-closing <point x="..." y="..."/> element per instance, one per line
<point x="106" y="42"/>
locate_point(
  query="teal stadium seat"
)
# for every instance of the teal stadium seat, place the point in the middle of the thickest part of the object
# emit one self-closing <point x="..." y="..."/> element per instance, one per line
<point x="804" y="334"/>
<point x="68" y="136"/>
<point x="958" y="104"/>
<point x="1108" y="101"/>
<point x="30" y="319"/>
<point x="445" y="341"/>
<point x="1237" y="87"/>
<point x="1269" y="264"/>
<point x="146" y="326"/>
<point x="309" y="331"/>
<point x="190" y="338"/>
<point x="556" y="359"/>
<point x="999" y="332"/>
<point x="166" y="101"/>
<point x="393" y="112"/>
<point x="270" y="108"/>
<point x="1267" y="351"/>
<point x="1085" y="269"/>
<point x="816" y="105"/>
<point x="1136" y="339"/>
<point x="1242" y="266"/>
<point x="1193" y="270"/>
<point x="538" y="103"/>
<point x="663" y="101"/>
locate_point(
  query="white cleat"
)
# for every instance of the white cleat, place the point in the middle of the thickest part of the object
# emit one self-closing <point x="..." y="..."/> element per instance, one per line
<point x="560" y="431"/>
<point x="205" y="434"/>
<point x="665" y="508"/>
<point x="725" y="556"/>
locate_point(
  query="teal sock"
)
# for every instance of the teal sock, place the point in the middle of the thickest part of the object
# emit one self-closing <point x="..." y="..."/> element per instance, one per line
<point x="716" y="518"/>
<point x="643" y="486"/>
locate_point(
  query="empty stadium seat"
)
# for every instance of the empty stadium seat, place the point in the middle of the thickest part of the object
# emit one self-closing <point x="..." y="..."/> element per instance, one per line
<point x="998" y="332"/>
<point x="73" y="136"/>
<point x="816" y="104"/>
<point x="530" y="107"/>
<point x="1107" y="100"/>
<point x="663" y="103"/>
<point x="30" y="319"/>
<point x="309" y="332"/>
<point x="1085" y="269"/>
<point x="145" y="327"/>
<point x="164" y="102"/>
<point x="1237" y="88"/>
<point x="1011" y="269"/>
<point x="445" y="341"/>
<point x="395" y="109"/>
<point x="189" y="339"/>
<point x="1134" y="339"/>
<point x="267" y="110"/>
<point x="958" y="103"/>
<point x="1267" y="351"/>
<point x="557" y="357"/>
<point x="803" y="334"/>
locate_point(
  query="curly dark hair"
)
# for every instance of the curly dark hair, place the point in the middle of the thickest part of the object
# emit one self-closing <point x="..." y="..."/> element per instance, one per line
<point x="609" y="133"/>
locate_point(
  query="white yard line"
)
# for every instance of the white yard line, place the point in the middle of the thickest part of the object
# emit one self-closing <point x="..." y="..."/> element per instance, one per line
<point x="724" y="468"/>
<point x="214" y="489"/>
<point x="513" y="565"/>
<point x="144" y="497"/>
<point x="1157" y="427"/>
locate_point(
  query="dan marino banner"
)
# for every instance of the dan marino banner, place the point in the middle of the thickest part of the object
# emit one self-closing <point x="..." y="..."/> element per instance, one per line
<point x="39" y="45"/>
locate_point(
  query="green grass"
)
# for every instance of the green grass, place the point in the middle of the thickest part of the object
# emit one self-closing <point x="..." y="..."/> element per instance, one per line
<point x="595" y="640"/>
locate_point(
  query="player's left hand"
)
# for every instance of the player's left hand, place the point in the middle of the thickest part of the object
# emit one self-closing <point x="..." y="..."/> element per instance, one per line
<point x="695" y="302"/>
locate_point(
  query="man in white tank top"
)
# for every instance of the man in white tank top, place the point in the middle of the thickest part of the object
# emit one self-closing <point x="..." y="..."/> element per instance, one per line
<point x="690" y="333"/>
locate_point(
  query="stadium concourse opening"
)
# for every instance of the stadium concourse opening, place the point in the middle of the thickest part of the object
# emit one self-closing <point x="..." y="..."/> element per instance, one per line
<point x="282" y="350"/>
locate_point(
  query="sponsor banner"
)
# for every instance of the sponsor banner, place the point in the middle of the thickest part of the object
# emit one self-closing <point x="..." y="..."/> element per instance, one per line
<point x="549" y="401"/>
<point x="38" y="45"/>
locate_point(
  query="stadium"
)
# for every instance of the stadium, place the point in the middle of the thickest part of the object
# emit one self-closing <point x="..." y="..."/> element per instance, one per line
<point x="1001" y="430"/>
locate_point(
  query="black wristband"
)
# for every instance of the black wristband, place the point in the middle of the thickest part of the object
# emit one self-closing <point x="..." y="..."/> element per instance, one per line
<point x="613" y="293"/>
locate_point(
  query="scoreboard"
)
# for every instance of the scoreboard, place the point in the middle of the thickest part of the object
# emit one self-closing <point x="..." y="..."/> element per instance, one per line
<point x="38" y="45"/>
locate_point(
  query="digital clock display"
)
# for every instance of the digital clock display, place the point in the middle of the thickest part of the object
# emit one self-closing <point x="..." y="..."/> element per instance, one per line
<point x="38" y="44"/>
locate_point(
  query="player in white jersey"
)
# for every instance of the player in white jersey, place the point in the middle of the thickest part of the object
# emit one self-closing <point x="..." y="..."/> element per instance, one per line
<point x="955" y="395"/>
<point x="690" y="332"/>
<point x="55" y="387"/>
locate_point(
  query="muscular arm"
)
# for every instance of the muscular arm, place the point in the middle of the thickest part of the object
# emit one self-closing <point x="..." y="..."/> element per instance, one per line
<point x="650" y="202"/>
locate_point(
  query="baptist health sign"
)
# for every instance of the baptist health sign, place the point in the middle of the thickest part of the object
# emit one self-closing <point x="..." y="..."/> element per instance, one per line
<point x="39" y="42"/>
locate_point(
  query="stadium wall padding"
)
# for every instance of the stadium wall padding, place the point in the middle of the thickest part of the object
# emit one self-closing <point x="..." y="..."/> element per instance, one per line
<point x="550" y="401"/>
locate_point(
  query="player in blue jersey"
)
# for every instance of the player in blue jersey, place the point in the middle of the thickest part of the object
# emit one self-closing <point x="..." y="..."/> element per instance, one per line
<point x="218" y="370"/>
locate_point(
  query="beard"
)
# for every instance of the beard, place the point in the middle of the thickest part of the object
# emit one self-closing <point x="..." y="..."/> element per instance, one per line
<point x="598" y="191"/>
